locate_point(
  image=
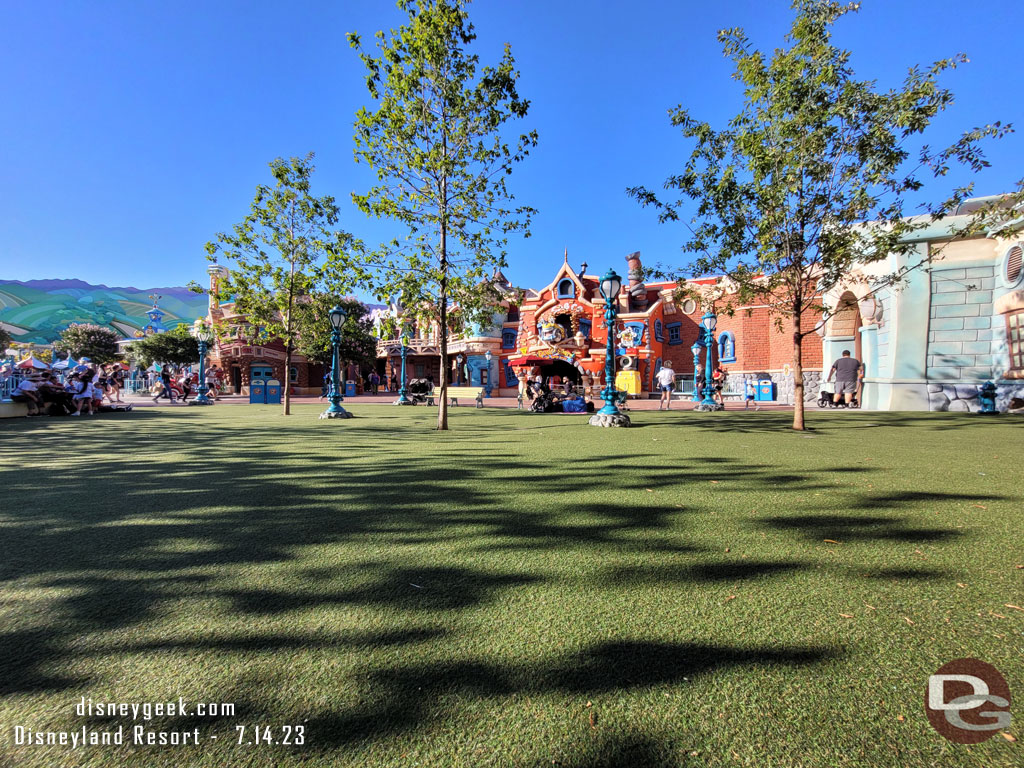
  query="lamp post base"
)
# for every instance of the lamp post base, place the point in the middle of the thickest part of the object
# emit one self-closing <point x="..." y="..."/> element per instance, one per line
<point x="341" y="413"/>
<point x="403" y="401"/>
<point x="200" y="401"/>
<point x="702" y="406"/>
<point x="609" y="420"/>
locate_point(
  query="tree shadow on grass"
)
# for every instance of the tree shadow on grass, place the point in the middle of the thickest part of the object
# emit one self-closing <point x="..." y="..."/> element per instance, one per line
<point x="845" y="528"/>
<point x="731" y="571"/>
<point x="402" y="698"/>
<point x="165" y="508"/>
<point x="625" y="750"/>
<point x="416" y="589"/>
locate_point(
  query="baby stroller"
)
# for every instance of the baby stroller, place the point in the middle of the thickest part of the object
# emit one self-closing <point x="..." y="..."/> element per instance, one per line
<point x="545" y="401"/>
<point x="825" y="400"/>
<point x="420" y="392"/>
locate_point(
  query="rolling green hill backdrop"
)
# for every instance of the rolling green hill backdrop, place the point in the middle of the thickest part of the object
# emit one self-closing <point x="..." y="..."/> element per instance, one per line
<point x="38" y="310"/>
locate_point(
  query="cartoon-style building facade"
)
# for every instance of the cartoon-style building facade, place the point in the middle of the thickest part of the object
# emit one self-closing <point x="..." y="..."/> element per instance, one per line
<point x="243" y="353"/>
<point x="955" y="322"/>
<point x="559" y="329"/>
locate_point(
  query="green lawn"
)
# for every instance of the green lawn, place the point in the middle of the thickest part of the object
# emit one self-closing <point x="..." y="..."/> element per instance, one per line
<point x="524" y="590"/>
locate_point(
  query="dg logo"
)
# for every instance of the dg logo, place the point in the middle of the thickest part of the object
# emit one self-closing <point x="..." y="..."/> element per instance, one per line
<point x="968" y="701"/>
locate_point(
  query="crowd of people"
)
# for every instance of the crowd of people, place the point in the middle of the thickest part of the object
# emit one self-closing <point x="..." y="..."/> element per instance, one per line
<point x="181" y="385"/>
<point x="83" y="390"/>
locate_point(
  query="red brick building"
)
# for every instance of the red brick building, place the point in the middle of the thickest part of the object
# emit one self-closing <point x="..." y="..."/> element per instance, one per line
<point x="559" y="329"/>
<point x="243" y="358"/>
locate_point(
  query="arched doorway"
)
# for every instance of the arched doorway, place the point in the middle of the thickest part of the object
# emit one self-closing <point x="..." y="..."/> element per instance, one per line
<point x="563" y="370"/>
<point x="846" y="322"/>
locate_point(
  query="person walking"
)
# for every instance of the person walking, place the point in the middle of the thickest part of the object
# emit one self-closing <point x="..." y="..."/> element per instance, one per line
<point x="849" y="371"/>
<point x="718" y="380"/>
<point x="165" y="379"/>
<point x="666" y="379"/>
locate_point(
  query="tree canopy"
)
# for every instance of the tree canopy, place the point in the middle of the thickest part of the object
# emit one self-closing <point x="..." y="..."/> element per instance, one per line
<point x="358" y="344"/>
<point x="176" y="346"/>
<point x="436" y="139"/>
<point x="816" y="174"/>
<point x="287" y="247"/>
<point x="97" y="343"/>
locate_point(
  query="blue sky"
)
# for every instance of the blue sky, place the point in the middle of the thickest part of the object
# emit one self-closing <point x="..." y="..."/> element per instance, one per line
<point x="134" y="131"/>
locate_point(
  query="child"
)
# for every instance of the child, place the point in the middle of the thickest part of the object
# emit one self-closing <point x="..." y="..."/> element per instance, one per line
<point x="81" y="394"/>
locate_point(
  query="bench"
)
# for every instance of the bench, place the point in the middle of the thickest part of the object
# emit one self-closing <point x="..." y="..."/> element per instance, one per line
<point x="684" y="389"/>
<point x="454" y="393"/>
<point x="12" y="410"/>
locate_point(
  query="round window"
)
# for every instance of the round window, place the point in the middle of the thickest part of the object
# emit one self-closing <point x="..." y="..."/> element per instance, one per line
<point x="689" y="307"/>
<point x="1012" y="267"/>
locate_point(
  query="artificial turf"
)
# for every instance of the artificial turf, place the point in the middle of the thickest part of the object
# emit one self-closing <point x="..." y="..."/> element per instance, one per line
<point x="524" y="590"/>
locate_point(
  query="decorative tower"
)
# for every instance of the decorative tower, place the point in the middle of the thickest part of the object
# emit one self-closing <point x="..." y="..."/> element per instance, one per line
<point x="637" y="289"/>
<point x="216" y="273"/>
<point x="156" y="317"/>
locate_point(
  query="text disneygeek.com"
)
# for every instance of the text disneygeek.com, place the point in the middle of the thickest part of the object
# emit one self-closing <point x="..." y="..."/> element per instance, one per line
<point x="94" y="734"/>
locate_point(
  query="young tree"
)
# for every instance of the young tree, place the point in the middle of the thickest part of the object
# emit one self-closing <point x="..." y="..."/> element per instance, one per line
<point x="284" y="249"/>
<point x="815" y="174"/>
<point x="358" y="344"/>
<point x="5" y="340"/>
<point x="97" y="343"/>
<point x="436" y="141"/>
<point x="176" y="346"/>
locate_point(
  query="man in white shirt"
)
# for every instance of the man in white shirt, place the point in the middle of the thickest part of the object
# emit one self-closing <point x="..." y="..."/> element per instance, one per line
<point x="666" y="379"/>
<point x="27" y="392"/>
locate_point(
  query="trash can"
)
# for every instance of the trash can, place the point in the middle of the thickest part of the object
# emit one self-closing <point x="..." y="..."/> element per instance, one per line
<point x="273" y="391"/>
<point x="765" y="390"/>
<point x="350" y="388"/>
<point x="257" y="391"/>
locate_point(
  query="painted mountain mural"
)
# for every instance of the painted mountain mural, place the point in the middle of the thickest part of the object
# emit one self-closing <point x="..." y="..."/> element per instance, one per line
<point x="38" y="310"/>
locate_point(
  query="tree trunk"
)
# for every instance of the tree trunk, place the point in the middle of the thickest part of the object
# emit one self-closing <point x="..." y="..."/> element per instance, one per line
<point x="798" y="372"/>
<point x="287" y="383"/>
<point x="442" y="403"/>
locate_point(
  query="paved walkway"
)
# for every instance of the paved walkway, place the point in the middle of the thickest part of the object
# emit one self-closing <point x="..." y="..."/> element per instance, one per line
<point x="490" y="402"/>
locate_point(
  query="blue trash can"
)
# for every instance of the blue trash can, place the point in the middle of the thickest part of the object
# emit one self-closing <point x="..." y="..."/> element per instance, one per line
<point x="273" y="391"/>
<point x="257" y="391"/>
<point x="765" y="390"/>
<point x="350" y="388"/>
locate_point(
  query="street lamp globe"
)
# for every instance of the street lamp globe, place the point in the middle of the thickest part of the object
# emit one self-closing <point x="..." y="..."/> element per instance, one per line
<point x="709" y="321"/>
<point x="338" y="315"/>
<point x="204" y="333"/>
<point x="488" y="356"/>
<point x="696" y="348"/>
<point x="611" y="283"/>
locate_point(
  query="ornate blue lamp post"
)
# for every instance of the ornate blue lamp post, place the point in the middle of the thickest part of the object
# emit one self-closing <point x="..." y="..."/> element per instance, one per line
<point x="696" y="348"/>
<point x="402" y="391"/>
<point x="709" y="321"/>
<point x="609" y="415"/>
<point x="334" y="410"/>
<point x="203" y="333"/>
<point x="488" y="356"/>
